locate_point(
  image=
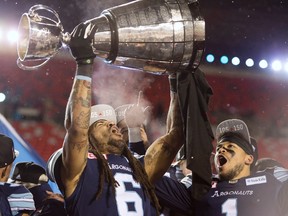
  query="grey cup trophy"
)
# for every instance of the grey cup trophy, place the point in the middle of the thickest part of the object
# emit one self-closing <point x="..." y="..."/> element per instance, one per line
<point x="159" y="36"/>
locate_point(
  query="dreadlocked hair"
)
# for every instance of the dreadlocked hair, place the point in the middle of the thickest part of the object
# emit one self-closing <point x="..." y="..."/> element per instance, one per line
<point x="141" y="177"/>
<point x="105" y="173"/>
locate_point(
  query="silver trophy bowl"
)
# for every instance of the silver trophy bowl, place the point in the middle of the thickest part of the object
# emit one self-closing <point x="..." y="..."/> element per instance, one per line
<point x="159" y="36"/>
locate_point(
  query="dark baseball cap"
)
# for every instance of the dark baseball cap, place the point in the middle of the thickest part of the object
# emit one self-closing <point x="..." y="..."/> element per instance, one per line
<point x="237" y="126"/>
<point x="7" y="151"/>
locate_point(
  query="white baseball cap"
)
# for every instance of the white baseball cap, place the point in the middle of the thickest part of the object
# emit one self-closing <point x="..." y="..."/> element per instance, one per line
<point x="102" y="111"/>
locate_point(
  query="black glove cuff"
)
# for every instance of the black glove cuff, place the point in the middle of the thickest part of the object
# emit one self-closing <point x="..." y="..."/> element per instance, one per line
<point x="85" y="61"/>
<point x="173" y="84"/>
<point x="84" y="70"/>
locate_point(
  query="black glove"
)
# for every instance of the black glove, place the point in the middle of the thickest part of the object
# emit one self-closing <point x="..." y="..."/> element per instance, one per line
<point x="81" y="43"/>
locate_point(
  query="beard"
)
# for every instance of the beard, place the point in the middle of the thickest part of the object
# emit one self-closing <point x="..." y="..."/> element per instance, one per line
<point x="231" y="173"/>
<point x="116" y="145"/>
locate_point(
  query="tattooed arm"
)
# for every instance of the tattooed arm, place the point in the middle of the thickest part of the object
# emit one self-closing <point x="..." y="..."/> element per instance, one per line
<point x="162" y="152"/>
<point x="75" y="147"/>
<point x="76" y="142"/>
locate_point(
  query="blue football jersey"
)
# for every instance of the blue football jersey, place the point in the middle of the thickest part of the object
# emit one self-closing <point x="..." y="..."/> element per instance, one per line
<point x="258" y="194"/>
<point x="18" y="197"/>
<point x="250" y="196"/>
<point x="5" y="209"/>
<point x="129" y="199"/>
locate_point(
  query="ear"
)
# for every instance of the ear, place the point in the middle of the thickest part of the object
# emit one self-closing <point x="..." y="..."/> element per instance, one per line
<point x="249" y="159"/>
<point x="5" y="173"/>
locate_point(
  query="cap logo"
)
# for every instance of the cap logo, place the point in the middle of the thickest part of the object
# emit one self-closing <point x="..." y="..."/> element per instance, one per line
<point x="233" y="125"/>
<point x="120" y="113"/>
<point x="236" y="127"/>
<point x="102" y="111"/>
<point x="101" y="114"/>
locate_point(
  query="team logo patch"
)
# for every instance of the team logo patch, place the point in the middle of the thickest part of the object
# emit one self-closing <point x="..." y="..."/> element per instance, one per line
<point x="91" y="156"/>
<point x="256" y="180"/>
<point x="214" y="184"/>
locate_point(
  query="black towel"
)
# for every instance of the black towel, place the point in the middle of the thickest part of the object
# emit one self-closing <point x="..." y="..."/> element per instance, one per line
<point x="194" y="94"/>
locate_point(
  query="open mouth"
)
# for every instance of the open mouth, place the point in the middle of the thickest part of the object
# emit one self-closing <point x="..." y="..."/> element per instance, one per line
<point x="221" y="160"/>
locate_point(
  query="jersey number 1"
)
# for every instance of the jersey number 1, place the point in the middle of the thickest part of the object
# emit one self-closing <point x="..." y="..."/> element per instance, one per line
<point x="229" y="207"/>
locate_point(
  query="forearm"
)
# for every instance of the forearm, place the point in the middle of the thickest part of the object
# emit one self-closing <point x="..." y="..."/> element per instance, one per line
<point x="162" y="152"/>
<point x="159" y="156"/>
<point x="79" y="102"/>
<point x="77" y="120"/>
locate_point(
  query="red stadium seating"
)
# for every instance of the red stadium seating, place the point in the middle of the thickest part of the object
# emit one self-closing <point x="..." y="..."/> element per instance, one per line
<point x="260" y="100"/>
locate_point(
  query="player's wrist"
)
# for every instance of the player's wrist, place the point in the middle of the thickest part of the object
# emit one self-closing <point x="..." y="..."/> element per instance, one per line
<point x="134" y="134"/>
<point x="88" y="61"/>
<point x="84" y="70"/>
<point x="173" y="82"/>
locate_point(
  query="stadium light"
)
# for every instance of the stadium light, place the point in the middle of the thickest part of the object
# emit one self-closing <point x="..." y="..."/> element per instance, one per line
<point x="276" y="65"/>
<point x="286" y="67"/>
<point x="12" y="36"/>
<point x="249" y="62"/>
<point x="224" y="59"/>
<point x="2" y="97"/>
<point x="210" y="58"/>
<point x="235" y="61"/>
<point x="263" y="64"/>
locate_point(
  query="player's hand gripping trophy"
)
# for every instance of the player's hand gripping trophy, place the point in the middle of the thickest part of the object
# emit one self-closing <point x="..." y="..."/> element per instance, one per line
<point x="158" y="36"/>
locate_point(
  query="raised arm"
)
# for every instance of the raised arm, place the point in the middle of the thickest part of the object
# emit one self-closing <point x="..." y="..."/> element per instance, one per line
<point x="134" y="116"/>
<point x="77" y="116"/>
<point x="162" y="152"/>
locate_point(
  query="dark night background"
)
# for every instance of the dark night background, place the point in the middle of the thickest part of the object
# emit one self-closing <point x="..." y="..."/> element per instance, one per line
<point x="256" y="29"/>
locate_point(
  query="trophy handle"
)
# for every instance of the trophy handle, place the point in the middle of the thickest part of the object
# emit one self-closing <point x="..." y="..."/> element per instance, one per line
<point x="36" y="16"/>
<point x="25" y="67"/>
<point x="41" y="36"/>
